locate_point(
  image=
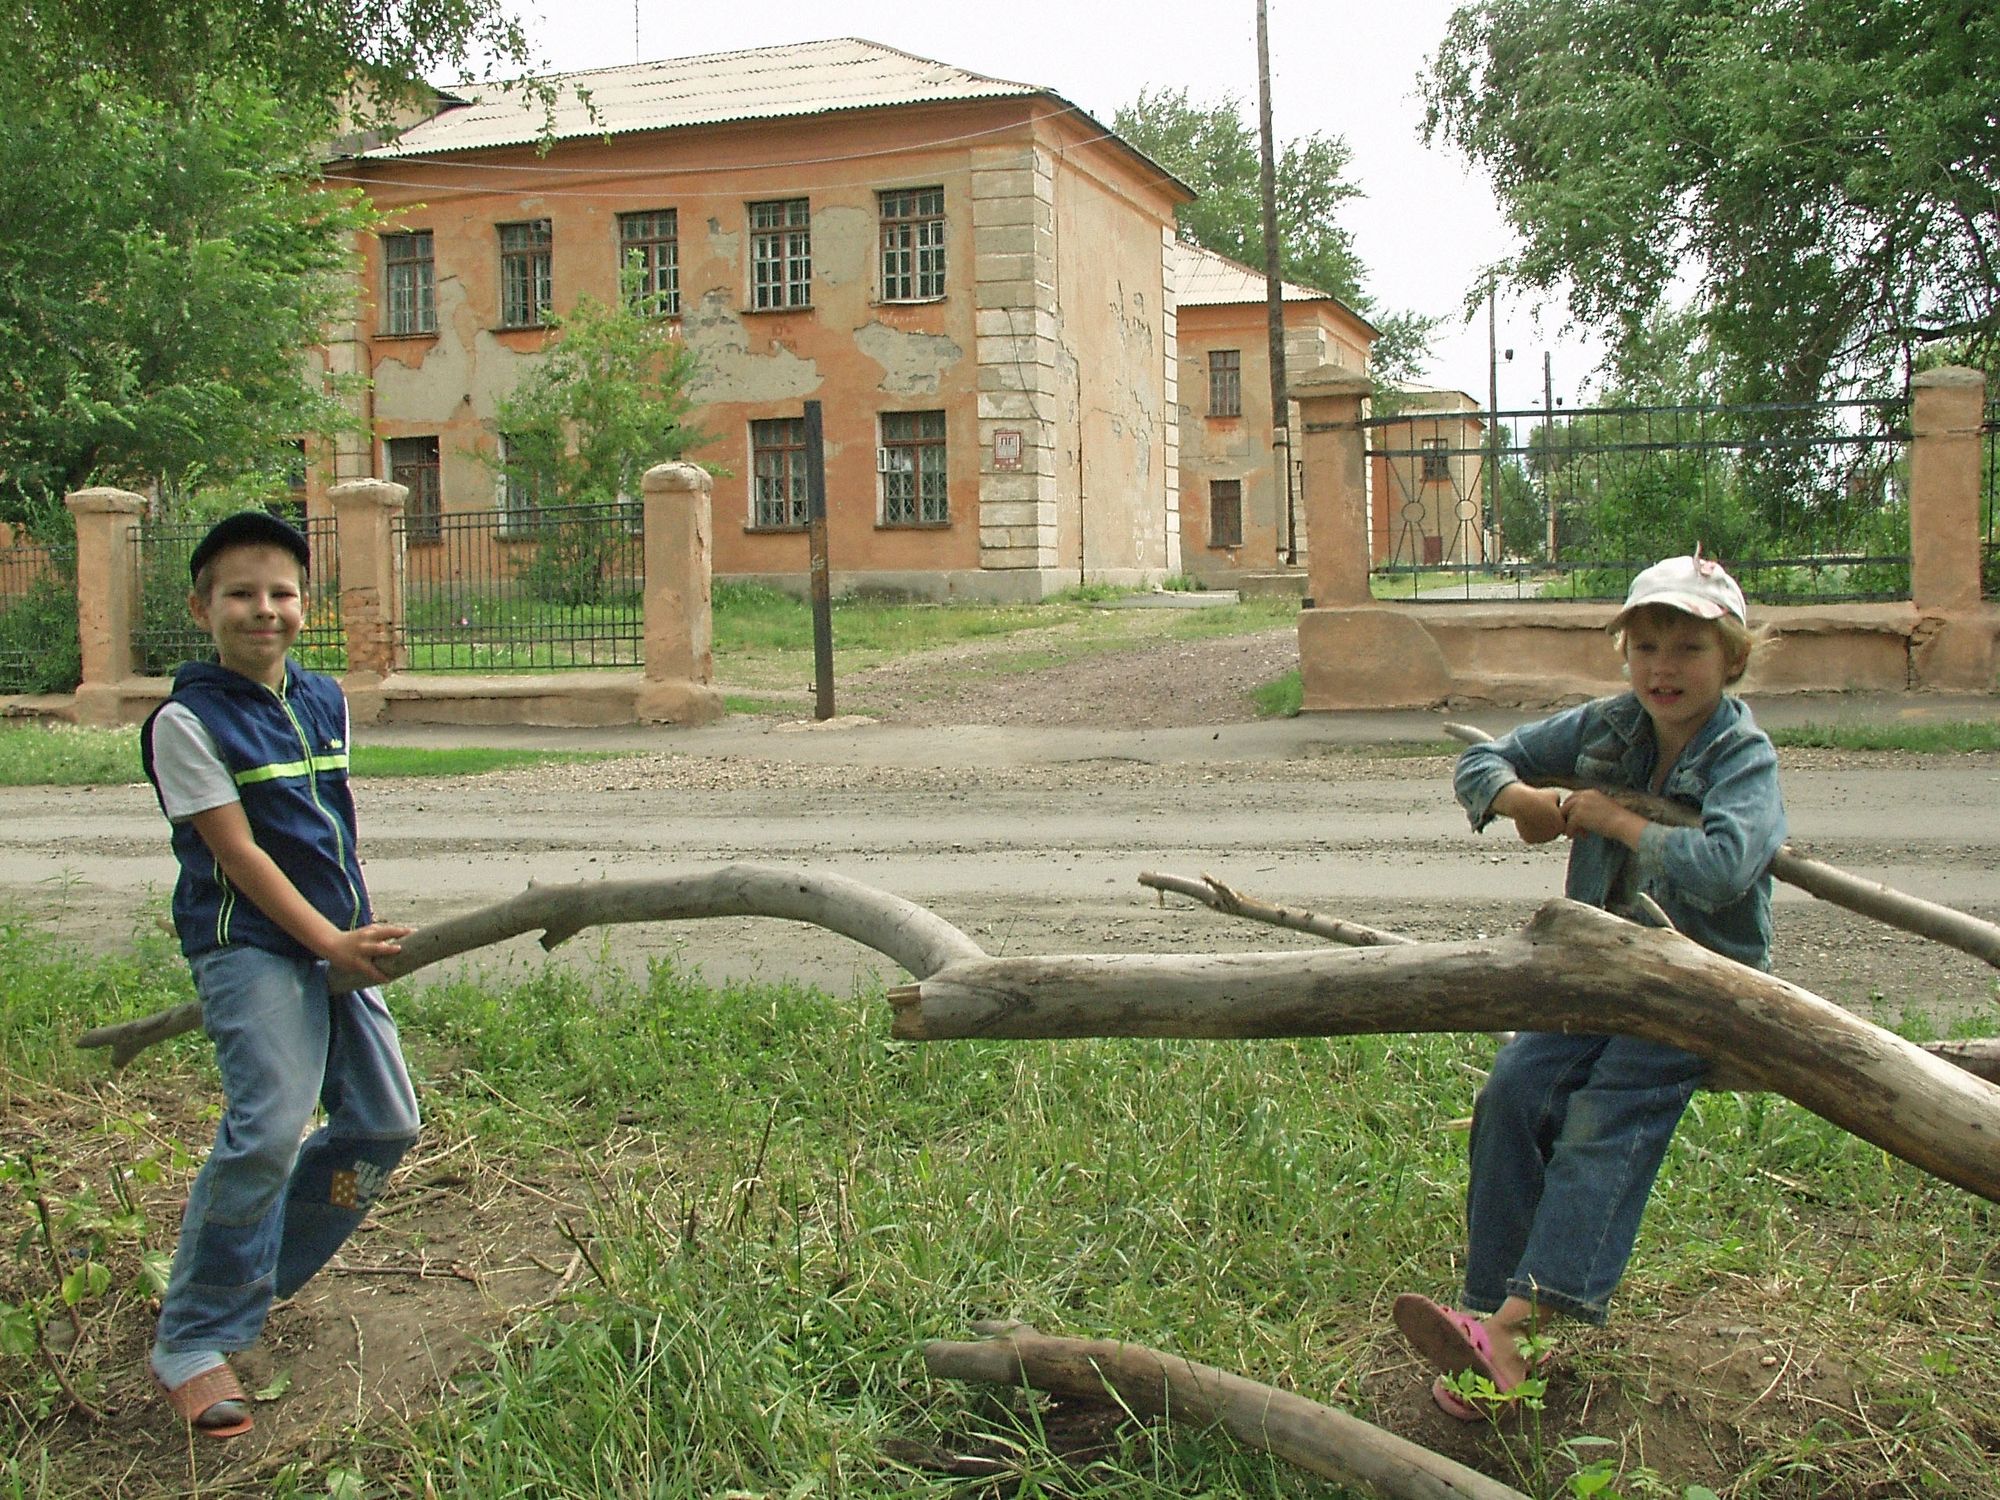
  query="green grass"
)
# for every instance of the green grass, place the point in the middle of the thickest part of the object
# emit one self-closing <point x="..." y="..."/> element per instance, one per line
<point x="1281" y="697"/>
<point x="64" y="755"/>
<point x="782" y="1203"/>
<point x="1964" y="737"/>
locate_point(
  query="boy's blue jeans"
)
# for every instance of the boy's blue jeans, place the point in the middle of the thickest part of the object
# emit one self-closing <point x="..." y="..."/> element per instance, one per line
<point x="265" y="1213"/>
<point x="1567" y="1137"/>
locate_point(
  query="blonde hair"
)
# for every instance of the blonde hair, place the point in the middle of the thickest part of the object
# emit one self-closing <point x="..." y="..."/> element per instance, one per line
<point x="1737" y="637"/>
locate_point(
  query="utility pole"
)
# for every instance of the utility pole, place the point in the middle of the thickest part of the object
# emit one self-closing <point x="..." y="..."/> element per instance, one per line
<point x="1274" y="292"/>
<point x="1493" y="428"/>
<point x="1549" y="452"/>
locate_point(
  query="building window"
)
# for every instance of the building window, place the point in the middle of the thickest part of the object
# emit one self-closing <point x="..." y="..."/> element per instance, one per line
<point x="413" y="463"/>
<point x="527" y="288"/>
<point x="1437" y="458"/>
<point x="409" y="283"/>
<point x="649" y="244"/>
<point x="778" y="473"/>
<point x="1225" y="513"/>
<point x="912" y="464"/>
<point x="1225" y="382"/>
<point x="781" y="254"/>
<point x="912" y="244"/>
<point x="292" y="505"/>
<point x="521" y="496"/>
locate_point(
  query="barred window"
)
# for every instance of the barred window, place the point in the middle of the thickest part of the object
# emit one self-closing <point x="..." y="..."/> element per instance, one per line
<point x="526" y="286"/>
<point x="781" y="259"/>
<point x="521" y="495"/>
<point x="1436" y="458"/>
<point x="912" y="243"/>
<point x="1225" y="513"/>
<point x="649" y="243"/>
<point x="1225" y="383"/>
<point x="413" y="462"/>
<point x="778" y="473"/>
<point x="409" y="283"/>
<point x="912" y="466"/>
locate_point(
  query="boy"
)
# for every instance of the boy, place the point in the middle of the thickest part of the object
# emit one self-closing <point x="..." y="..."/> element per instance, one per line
<point x="1569" y="1131"/>
<point x="249" y="759"/>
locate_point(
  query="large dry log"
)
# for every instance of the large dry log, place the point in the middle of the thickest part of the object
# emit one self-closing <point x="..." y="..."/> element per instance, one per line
<point x="1573" y="968"/>
<point x="918" y="939"/>
<point x="1894" y="908"/>
<point x="1321" y="1439"/>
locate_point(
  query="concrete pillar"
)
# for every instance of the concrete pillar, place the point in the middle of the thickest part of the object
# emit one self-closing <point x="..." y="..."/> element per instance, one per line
<point x="371" y="582"/>
<point x="1336" y="484"/>
<point x="1953" y="647"/>
<point x="107" y="597"/>
<point x="678" y="686"/>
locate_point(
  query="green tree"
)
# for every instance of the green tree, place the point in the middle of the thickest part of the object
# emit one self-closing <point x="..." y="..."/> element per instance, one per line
<point x="163" y="272"/>
<point x="1214" y="150"/>
<point x="605" y="402"/>
<point x="1826" y="172"/>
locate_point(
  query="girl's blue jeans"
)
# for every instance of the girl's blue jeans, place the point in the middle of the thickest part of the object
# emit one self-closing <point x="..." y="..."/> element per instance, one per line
<point x="1567" y="1137"/>
<point x="264" y="1212"/>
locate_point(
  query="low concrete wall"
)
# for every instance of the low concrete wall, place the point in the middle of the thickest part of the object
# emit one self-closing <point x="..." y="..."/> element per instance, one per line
<point x="1544" y="655"/>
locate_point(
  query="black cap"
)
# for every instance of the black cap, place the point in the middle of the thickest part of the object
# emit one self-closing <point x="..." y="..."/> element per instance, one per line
<point x="250" y="528"/>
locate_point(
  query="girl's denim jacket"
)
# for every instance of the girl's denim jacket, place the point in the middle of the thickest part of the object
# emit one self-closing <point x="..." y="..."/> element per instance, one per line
<point x="1713" y="881"/>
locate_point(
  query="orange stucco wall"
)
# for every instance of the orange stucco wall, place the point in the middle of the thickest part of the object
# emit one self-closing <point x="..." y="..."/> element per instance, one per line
<point x="854" y="353"/>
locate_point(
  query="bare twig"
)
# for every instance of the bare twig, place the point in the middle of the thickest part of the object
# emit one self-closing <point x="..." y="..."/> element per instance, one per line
<point x="1212" y="893"/>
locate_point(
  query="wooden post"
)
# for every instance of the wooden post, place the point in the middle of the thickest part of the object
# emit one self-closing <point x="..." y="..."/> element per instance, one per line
<point x="107" y="597"/>
<point x="822" y="586"/>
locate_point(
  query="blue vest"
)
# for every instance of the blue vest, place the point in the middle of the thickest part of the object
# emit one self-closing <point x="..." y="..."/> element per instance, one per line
<point x="287" y="752"/>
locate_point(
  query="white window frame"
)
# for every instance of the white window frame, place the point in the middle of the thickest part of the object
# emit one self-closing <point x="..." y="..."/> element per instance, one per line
<point x="780" y="254"/>
<point x="912" y="243"/>
<point x="912" y="467"/>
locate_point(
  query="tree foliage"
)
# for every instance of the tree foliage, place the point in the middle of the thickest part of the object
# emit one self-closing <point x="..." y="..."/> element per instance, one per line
<point x="1825" y="172"/>
<point x="1215" y="151"/>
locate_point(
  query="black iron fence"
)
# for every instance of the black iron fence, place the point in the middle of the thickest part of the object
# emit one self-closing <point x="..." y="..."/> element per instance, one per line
<point x="1805" y="503"/>
<point x="165" y="634"/>
<point x="554" y="587"/>
<point x="39" y="649"/>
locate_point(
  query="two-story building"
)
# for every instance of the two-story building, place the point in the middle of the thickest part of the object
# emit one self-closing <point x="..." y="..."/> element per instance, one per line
<point x="973" y="277"/>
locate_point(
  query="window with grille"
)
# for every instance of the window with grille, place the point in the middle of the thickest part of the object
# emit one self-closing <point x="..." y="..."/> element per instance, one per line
<point x="781" y="253"/>
<point x="778" y="473"/>
<point x="521" y="495"/>
<point x="912" y="467"/>
<point x="527" y="288"/>
<point x="409" y="283"/>
<point x="1225" y="513"/>
<point x="649" y="244"/>
<point x="912" y="244"/>
<point x="1436" y="458"/>
<point x="1225" y="383"/>
<point x="413" y="463"/>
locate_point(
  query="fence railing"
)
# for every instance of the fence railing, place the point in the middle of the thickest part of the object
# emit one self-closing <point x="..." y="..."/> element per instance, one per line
<point x="548" y="589"/>
<point x="165" y="634"/>
<point x="39" y="647"/>
<point x="1805" y="503"/>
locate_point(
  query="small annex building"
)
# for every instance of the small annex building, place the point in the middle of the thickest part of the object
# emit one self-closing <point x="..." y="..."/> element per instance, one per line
<point x="973" y="277"/>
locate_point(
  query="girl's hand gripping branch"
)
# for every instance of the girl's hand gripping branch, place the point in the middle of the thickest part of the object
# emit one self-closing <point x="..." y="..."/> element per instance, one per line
<point x="1536" y="810"/>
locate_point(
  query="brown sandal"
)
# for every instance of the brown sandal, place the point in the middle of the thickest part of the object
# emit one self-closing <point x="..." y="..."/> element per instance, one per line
<point x="212" y="1403"/>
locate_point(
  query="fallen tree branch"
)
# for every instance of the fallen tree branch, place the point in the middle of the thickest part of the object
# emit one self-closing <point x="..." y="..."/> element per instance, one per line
<point x="921" y="941"/>
<point x="1212" y="893"/>
<point x="1573" y="968"/>
<point x="1941" y="924"/>
<point x="1320" y="1439"/>
<point x="1979" y="1056"/>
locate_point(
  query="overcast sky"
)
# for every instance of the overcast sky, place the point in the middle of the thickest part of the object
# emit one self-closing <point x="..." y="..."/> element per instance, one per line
<point x="1342" y="67"/>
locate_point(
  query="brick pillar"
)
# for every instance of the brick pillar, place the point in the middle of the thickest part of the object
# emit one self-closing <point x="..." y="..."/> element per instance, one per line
<point x="107" y="597"/>
<point x="679" y="682"/>
<point x="1353" y="653"/>
<point x="371" y="587"/>
<point x="1953" y="647"/>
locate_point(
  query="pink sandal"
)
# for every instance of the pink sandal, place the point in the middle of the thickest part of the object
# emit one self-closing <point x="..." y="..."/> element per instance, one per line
<point x="1454" y="1342"/>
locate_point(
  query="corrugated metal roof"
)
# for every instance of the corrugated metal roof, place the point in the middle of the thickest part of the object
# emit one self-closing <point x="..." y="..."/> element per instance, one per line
<point x="1210" y="280"/>
<point x="806" y="78"/>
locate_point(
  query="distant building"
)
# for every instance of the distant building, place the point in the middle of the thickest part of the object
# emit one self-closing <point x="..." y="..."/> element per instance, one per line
<point x="1237" y="516"/>
<point x="973" y="277"/>
<point x="1426" y="481"/>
